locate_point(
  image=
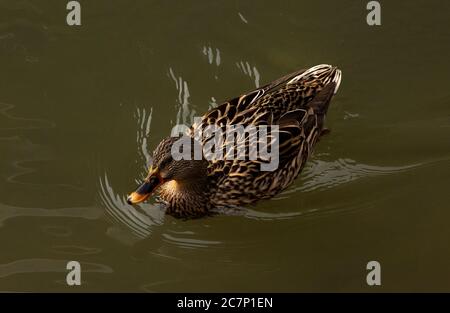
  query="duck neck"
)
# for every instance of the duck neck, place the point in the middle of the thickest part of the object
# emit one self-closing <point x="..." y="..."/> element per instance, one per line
<point x="186" y="198"/>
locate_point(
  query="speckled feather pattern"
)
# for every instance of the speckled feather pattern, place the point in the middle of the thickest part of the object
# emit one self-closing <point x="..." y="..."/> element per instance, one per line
<point x="297" y="103"/>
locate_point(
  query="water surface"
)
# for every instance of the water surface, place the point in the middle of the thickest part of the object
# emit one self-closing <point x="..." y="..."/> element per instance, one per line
<point x="82" y="107"/>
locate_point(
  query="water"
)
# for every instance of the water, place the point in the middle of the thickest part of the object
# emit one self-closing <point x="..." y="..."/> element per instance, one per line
<point x="80" y="108"/>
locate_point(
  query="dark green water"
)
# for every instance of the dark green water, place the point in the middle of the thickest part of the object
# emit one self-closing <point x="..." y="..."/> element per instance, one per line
<point x="81" y="106"/>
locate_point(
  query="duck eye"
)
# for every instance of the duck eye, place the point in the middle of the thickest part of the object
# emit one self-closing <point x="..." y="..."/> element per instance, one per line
<point x="154" y="180"/>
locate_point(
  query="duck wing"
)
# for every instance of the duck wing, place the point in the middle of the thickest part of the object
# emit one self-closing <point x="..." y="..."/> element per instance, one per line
<point x="297" y="103"/>
<point x="242" y="109"/>
<point x="241" y="182"/>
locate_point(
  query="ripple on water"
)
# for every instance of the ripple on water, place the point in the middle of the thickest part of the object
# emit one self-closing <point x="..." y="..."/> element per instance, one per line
<point x="324" y="174"/>
<point x="76" y="250"/>
<point x="143" y="119"/>
<point x="47" y="265"/>
<point x="9" y="121"/>
<point x="145" y="221"/>
<point x="140" y="219"/>
<point x="8" y="212"/>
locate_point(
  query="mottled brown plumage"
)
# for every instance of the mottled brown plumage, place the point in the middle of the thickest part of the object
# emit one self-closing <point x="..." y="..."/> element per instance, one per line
<point x="296" y="103"/>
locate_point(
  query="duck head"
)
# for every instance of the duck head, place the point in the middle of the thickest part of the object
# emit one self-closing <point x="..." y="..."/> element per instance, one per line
<point x="168" y="171"/>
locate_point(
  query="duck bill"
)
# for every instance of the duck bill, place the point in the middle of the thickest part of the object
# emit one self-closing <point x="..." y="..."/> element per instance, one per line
<point x="145" y="190"/>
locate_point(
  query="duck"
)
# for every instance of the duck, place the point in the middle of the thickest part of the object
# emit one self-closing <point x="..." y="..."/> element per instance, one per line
<point x="294" y="106"/>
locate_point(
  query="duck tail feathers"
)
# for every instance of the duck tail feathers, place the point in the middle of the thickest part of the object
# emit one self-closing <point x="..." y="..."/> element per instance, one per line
<point x="323" y="72"/>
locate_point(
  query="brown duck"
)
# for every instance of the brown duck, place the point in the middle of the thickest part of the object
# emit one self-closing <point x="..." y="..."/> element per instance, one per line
<point x="296" y="104"/>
